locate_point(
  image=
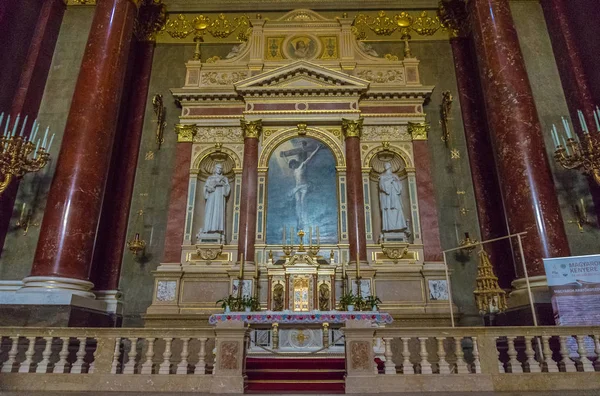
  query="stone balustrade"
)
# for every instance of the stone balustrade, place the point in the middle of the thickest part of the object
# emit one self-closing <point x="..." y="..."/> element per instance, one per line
<point x="212" y="359"/>
<point x="478" y="359"/>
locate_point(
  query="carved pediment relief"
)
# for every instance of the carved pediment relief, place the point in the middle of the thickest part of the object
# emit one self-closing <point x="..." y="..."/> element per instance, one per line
<point x="302" y="15"/>
<point x="302" y="76"/>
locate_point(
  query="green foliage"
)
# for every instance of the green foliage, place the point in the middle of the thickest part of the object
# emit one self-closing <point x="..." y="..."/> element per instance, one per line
<point x="372" y="301"/>
<point x="347" y="299"/>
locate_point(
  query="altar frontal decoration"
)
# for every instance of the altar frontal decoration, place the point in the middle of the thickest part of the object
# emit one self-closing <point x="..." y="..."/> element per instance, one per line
<point x="301" y="318"/>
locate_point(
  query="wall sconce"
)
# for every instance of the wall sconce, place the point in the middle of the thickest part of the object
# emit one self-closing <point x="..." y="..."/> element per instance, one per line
<point x="580" y="215"/>
<point x="25" y="220"/>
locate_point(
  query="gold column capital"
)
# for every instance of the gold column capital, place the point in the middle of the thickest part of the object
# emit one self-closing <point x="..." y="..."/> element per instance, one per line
<point x="352" y="128"/>
<point x="419" y="130"/>
<point x="251" y="129"/>
<point x="185" y="132"/>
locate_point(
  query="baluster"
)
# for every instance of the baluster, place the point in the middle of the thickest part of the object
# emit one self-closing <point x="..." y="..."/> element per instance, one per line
<point x="182" y="367"/>
<point x="597" y="343"/>
<point x="586" y="364"/>
<point x="129" y="367"/>
<point x="7" y="367"/>
<point x="444" y="367"/>
<point x="147" y="366"/>
<point x="165" y="366"/>
<point x="201" y="366"/>
<point x="26" y="364"/>
<point x="568" y="364"/>
<point x="476" y="362"/>
<point x="551" y="365"/>
<point x="42" y="366"/>
<point x="77" y="367"/>
<point x="407" y="367"/>
<point x="534" y="366"/>
<point x="92" y="365"/>
<point x="461" y="365"/>
<point x="61" y="366"/>
<point x="501" y="368"/>
<point x="425" y="365"/>
<point x="114" y="367"/>
<point x="515" y="365"/>
<point x="390" y="367"/>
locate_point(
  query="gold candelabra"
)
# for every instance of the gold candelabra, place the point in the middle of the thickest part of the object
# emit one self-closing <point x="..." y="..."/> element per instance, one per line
<point x="15" y="151"/>
<point x="301" y="236"/>
<point x="468" y="243"/>
<point x="490" y="298"/>
<point x="137" y="244"/>
<point x="573" y="153"/>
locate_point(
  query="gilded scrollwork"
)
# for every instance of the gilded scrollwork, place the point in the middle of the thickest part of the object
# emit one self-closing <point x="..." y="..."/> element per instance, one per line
<point x="209" y="253"/>
<point x="382" y="76"/>
<point x="419" y="130"/>
<point x="224" y="78"/>
<point x="218" y="134"/>
<point x="386" y="133"/>
<point x="185" y="132"/>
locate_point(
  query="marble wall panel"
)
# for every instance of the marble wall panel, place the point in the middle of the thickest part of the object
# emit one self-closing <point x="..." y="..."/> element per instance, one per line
<point x="18" y="251"/>
<point x="400" y="290"/>
<point x="550" y="101"/>
<point x="194" y="292"/>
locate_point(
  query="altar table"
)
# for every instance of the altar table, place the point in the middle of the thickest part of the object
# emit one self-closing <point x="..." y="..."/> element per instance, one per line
<point x="314" y="317"/>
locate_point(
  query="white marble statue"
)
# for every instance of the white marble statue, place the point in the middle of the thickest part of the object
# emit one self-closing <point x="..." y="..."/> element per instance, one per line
<point x="216" y="191"/>
<point x="390" y="199"/>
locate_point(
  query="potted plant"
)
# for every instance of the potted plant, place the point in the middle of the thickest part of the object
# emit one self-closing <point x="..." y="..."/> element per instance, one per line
<point x="373" y="302"/>
<point x="359" y="303"/>
<point x="249" y="303"/>
<point x="227" y="303"/>
<point x="347" y="302"/>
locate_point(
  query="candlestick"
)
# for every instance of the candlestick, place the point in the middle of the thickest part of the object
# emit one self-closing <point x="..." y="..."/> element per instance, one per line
<point x="291" y="235"/>
<point x="357" y="263"/>
<point x="283" y="235"/>
<point x="310" y="236"/>
<point x="318" y="237"/>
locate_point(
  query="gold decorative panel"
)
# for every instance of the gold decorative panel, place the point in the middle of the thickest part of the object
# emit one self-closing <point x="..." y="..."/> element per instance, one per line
<point x="273" y="48"/>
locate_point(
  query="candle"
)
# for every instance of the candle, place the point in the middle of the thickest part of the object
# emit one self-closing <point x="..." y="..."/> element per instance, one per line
<point x="567" y="128"/>
<point x="33" y="136"/>
<point x="23" y="127"/>
<point x="2" y="117"/>
<point x="50" y="144"/>
<point x="310" y="236"/>
<point x="23" y="211"/>
<point x="318" y="237"/>
<point x="357" y="263"/>
<point x="15" y="125"/>
<point x="283" y="235"/>
<point x="597" y="120"/>
<point x="6" y="126"/>
<point x="598" y="115"/>
<point x="241" y="270"/>
<point x="565" y="143"/>
<point x="291" y="236"/>
<point x="582" y="122"/>
<point x="37" y="147"/>
<point x="45" y="137"/>
<point x="554" y="137"/>
<point x="582" y="208"/>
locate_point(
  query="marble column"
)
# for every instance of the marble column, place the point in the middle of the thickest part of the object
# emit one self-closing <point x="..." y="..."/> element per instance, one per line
<point x="64" y="252"/>
<point x="490" y="211"/>
<point x="355" y="194"/>
<point x="247" y="233"/>
<point x="572" y="74"/>
<point x="526" y="183"/>
<point x="112" y="232"/>
<point x="30" y="87"/>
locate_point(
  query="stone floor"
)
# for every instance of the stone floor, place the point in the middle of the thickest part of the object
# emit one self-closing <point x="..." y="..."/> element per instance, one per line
<point x="562" y="393"/>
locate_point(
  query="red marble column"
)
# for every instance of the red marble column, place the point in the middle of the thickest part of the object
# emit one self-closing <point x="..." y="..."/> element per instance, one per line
<point x="355" y="194"/>
<point x="247" y="228"/>
<point x="430" y="229"/>
<point x="30" y="87"/>
<point x="492" y="220"/>
<point x="178" y="203"/>
<point x="72" y="215"/>
<point x="112" y="232"/>
<point x="572" y="74"/>
<point x="527" y="187"/>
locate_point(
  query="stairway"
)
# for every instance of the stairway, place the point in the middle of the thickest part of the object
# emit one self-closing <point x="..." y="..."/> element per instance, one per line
<point x="295" y="375"/>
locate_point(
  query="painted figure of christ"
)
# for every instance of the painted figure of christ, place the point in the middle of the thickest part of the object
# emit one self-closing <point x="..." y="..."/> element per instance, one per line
<point x="300" y="190"/>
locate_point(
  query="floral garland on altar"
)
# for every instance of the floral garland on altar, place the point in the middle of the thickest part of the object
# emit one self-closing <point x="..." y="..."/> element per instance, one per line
<point x="297" y="317"/>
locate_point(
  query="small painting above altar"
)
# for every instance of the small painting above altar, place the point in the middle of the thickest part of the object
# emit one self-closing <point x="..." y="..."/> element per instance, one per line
<point x="301" y="47"/>
<point x="302" y="192"/>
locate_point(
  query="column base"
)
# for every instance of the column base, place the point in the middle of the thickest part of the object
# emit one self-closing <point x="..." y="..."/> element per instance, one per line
<point x="112" y="299"/>
<point x="519" y="308"/>
<point x="54" y="302"/>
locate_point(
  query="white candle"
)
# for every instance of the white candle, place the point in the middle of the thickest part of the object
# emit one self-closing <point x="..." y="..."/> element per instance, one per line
<point x="565" y="143"/>
<point x="283" y="235"/>
<point x="23" y="127"/>
<point x="50" y="144"/>
<point x="554" y="136"/>
<point x="1" y="118"/>
<point x="291" y="236"/>
<point x="582" y="208"/>
<point x="567" y="128"/>
<point x="597" y="120"/>
<point x="6" y="126"/>
<point x="310" y="236"/>
<point x="15" y="125"/>
<point x="318" y="237"/>
<point x="45" y="137"/>
<point x="582" y="122"/>
<point x="37" y="128"/>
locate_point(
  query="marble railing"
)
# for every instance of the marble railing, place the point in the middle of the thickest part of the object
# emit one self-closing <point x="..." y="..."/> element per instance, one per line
<point x="111" y="351"/>
<point x="506" y="350"/>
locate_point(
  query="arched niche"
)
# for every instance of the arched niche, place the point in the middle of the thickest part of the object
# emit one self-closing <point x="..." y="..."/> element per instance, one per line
<point x="203" y="166"/>
<point x="398" y="160"/>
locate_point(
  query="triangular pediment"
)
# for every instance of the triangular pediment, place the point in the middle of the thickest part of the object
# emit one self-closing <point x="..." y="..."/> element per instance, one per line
<point x="302" y="76"/>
